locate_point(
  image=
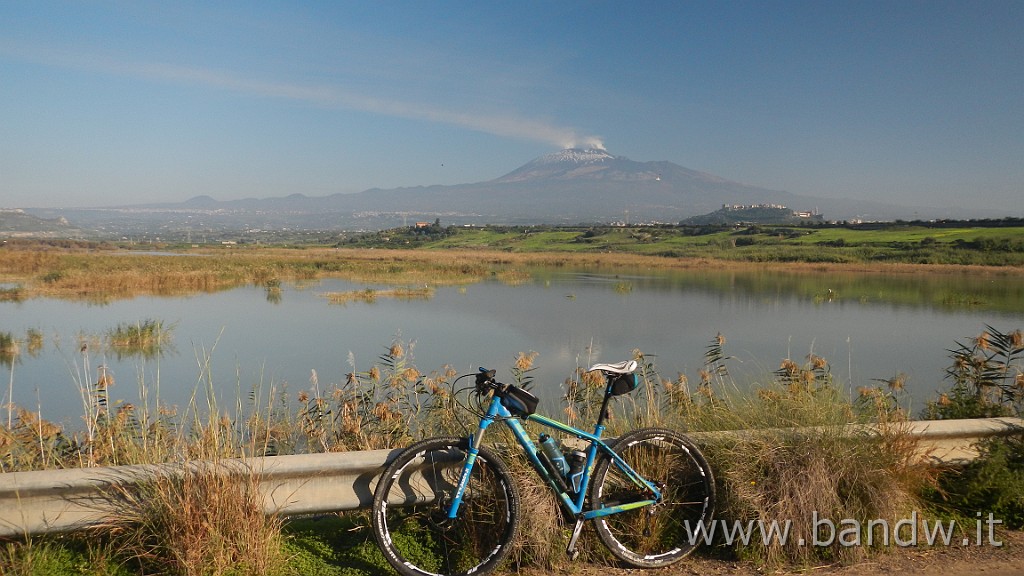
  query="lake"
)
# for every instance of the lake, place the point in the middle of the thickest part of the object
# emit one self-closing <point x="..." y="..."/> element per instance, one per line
<point x="868" y="326"/>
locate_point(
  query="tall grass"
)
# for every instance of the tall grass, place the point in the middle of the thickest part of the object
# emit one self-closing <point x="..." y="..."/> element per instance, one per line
<point x="198" y="511"/>
<point x="205" y="518"/>
<point x="796" y="458"/>
<point x="987" y="374"/>
<point x="783" y="450"/>
<point x="767" y="469"/>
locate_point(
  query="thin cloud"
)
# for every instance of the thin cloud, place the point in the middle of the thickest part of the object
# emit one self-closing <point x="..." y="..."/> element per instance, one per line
<point x="328" y="96"/>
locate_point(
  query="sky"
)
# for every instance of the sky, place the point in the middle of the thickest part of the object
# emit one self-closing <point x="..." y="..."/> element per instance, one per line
<point x="103" y="103"/>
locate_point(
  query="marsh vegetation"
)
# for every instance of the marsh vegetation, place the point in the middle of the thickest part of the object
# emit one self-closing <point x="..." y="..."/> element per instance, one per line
<point x="391" y="402"/>
<point x="774" y="472"/>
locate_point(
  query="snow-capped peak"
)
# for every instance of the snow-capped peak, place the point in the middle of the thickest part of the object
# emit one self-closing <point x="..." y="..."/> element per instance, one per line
<point x="568" y="164"/>
<point x="576" y="156"/>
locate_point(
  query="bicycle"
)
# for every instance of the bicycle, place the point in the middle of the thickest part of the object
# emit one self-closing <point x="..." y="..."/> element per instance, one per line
<point x="449" y="505"/>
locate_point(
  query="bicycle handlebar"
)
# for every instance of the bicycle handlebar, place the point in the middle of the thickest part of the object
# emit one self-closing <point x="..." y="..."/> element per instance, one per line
<point x="485" y="379"/>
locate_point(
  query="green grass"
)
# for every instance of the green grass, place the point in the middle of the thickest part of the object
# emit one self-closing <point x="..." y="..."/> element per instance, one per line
<point x="907" y="234"/>
<point x="333" y="546"/>
<point x="69" y="556"/>
<point x="993" y="246"/>
<point x="146" y="338"/>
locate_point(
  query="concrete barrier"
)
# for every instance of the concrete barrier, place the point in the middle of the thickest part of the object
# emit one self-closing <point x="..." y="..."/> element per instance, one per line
<point x="64" y="500"/>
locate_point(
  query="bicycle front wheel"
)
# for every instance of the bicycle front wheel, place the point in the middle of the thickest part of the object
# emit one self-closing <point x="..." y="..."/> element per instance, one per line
<point x="663" y="533"/>
<point x="411" y="502"/>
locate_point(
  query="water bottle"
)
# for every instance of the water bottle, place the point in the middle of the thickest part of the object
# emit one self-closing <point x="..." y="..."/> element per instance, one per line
<point x="577" y="460"/>
<point x="547" y="444"/>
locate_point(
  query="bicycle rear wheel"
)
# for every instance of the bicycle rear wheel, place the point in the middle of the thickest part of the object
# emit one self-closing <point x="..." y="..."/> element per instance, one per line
<point x="664" y="533"/>
<point x="411" y="501"/>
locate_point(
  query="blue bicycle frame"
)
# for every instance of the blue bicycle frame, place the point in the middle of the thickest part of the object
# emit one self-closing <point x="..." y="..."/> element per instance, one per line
<point x="573" y="503"/>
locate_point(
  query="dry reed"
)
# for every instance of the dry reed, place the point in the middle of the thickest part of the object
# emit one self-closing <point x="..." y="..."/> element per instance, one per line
<point x="203" y="518"/>
<point x="773" y="474"/>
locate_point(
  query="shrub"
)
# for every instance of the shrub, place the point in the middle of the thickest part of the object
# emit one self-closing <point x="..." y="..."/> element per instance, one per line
<point x="988" y="381"/>
<point x="992" y="483"/>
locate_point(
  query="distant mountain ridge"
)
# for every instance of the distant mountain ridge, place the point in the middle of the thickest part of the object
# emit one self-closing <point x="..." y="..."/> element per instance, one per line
<point x="570" y="186"/>
<point x="17" y="222"/>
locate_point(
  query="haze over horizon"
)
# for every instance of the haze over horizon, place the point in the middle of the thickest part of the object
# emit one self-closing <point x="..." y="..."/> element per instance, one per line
<point x="112" y="103"/>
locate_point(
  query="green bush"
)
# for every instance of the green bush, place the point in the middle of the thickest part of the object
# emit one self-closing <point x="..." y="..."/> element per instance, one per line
<point x="993" y="483"/>
<point x="988" y="381"/>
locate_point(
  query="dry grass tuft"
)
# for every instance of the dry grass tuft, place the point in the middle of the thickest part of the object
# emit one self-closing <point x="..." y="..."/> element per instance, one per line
<point x="794" y="453"/>
<point x="206" y="518"/>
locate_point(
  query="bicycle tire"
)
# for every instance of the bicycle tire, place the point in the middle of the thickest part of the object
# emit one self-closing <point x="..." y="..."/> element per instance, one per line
<point x="411" y="526"/>
<point x="662" y="534"/>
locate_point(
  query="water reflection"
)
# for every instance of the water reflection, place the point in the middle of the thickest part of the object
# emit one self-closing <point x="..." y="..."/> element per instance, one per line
<point x="246" y="341"/>
<point x="950" y="290"/>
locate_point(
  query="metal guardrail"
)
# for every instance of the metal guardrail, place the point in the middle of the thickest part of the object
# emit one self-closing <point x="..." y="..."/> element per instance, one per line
<point x="65" y="500"/>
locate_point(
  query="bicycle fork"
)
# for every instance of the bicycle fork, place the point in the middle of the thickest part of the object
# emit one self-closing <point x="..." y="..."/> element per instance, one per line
<point x="475" y="440"/>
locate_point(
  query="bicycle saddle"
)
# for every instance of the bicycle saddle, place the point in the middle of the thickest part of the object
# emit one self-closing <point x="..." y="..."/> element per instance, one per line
<point x="624" y="367"/>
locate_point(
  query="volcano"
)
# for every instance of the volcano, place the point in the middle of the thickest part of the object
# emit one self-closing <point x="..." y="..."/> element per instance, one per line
<point x="577" y="185"/>
<point x="571" y="186"/>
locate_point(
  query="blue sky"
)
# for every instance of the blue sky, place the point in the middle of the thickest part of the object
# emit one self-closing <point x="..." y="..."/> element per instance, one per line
<point x="117" y="102"/>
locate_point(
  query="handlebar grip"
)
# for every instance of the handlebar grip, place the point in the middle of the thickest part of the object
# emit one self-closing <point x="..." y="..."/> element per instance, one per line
<point x="485" y="376"/>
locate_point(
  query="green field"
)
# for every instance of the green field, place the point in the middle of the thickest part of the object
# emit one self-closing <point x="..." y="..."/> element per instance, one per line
<point x="903" y="243"/>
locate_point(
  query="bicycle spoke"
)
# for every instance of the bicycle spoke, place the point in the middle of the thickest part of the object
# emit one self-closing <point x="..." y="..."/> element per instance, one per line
<point x="659" y="534"/>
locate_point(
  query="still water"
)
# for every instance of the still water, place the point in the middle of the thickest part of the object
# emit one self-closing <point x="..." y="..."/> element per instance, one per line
<point x="867" y="326"/>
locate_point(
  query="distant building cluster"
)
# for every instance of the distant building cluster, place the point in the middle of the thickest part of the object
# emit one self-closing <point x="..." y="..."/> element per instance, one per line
<point x="737" y="207"/>
<point x="752" y="206"/>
